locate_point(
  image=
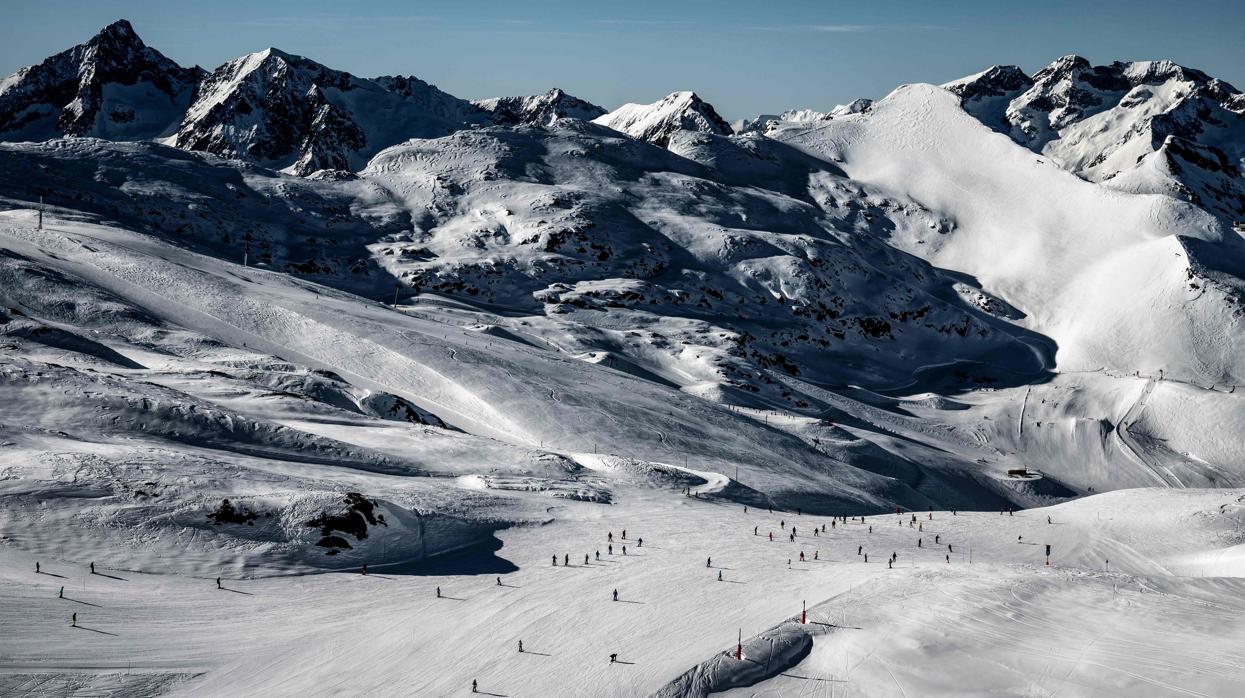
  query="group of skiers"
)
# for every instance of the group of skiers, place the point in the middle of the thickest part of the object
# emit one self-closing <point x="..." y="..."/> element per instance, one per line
<point x="792" y="534"/>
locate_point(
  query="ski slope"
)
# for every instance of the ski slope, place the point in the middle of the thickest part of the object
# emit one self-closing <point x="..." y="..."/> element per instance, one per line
<point x="1151" y="625"/>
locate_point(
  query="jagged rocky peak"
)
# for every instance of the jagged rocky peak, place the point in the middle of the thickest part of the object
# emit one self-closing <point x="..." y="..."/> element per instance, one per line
<point x="657" y="122"/>
<point x="1145" y="126"/>
<point x="113" y="86"/>
<point x="997" y="81"/>
<point x="291" y="112"/>
<point x="1070" y="89"/>
<point x="539" y="110"/>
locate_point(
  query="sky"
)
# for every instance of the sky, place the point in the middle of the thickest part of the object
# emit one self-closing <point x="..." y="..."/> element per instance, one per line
<point x="744" y="56"/>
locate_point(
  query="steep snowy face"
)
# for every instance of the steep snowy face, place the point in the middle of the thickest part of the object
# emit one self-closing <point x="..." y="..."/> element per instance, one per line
<point x="287" y="111"/>
<point x="539" y="110"/>
<point x="657" y="122"/>
<point x="1147" y="127"/>
<point x="113" y="86"/>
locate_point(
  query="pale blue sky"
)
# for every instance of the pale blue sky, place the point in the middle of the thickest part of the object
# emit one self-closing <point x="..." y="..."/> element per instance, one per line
<point x="743" y="56"/>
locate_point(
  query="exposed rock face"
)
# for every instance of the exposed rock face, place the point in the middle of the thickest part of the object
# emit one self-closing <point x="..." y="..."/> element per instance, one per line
<point x="290" y="112"/>
<point x="539" y="110"/>
<point x="657" y="122"/>
<point x="113" y="86"/>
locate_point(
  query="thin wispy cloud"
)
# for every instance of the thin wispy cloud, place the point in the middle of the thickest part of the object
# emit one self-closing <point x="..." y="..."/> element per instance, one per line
<point x="852" y="28"/>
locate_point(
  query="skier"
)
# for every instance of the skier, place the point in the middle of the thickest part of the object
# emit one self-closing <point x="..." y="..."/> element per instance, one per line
<point x="1019" y="538"/>
<point x="499" y="578"/>
<point x="520" y="647"/>
<point x="1048" y="519"/>
<point x="754" y="530"/>
<point x="615" y="594"/>
<point x="624" y="534"/>
<point x="801" y="556"/>
<point x="610" y="549"/>
<point x="816" y="532"/>
<point x="438" y="592"/>
<point x="709" y="562"/>
<point x="36" y="568"/>
<point x="92" y="568"/>
<point x="792" y="537"/>
<point x="218" y="582"/>
<point x="74" y="620"/>
<point x="949" y="548"/>
<point x="719" y="575"/>
<point x="918" y="542"/>
<point x="555" y="560"/>
<point x="816" y="554"/>
<point x="832" y="525"/>
<point x="920" y="527"/>
<point x="793" y="531"/>
<point x="859" y="548"/>
<point x="613" y="657"/>
<point x="938" y="539"/>
<point x="640" y="543"/>
<point x="566" y="560"/>
<point x="948" y="559"/>
<point x="61" y="595"/>
<point x="745" y="508"/>
<point x="782" y="523"/>
<point x="598" y="556"/>
<point x="610" y="537"/>
<point x="475" y="686"/>
<point x="894" y="556"/>
<point x="870" y="528"/>
<point x="889" y="564"/>
<point x="866" y="557"/>
<point x="771" y="536"/>
<point x="364" y="570"/>
<point x="585" y="559"/>
<point x="954" y="512"/>
<point x="624" y="550"/>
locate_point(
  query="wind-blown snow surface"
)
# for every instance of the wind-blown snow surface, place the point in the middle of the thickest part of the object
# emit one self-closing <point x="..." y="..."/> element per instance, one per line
<point x="476" y="336"/>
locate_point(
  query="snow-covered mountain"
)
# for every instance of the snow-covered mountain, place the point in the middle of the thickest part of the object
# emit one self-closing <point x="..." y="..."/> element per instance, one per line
<point x="286" y="319"/>
<point x="113" y="86"/>
<point x="539" y="110"/>
<point x="768" y="122"/>
<point x="287" y="111"/>
<point x="659" y="121"/>
<point x="1146" y="127"/>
